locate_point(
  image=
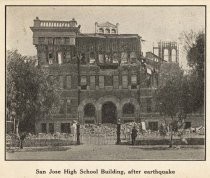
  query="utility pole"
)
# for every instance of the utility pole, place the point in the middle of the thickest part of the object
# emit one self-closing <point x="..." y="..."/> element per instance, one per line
<point x="78" y="95"/>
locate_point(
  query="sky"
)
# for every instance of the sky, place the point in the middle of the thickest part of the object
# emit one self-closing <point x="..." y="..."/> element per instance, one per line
<point x="151" y="23"/>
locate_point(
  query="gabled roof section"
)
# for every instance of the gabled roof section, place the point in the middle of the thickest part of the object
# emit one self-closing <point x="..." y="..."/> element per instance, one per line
<point x="106" y="24"/>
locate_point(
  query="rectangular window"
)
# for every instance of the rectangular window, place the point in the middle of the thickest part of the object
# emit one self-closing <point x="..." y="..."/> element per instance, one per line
<point x="187" y="125"/>
<point x="62" y="107"/>
<point x="116" y="81"/>
<point x="43" y="55"/>
<point x="153" y="126"/>
<point x="89" y="121"/>
<point x="68" y="106"/>
<point x="101" y="81"/>
<point x="124" y="81"/>
<point x="74" y="102"/>
<point x="92" y="82"/>
<point x="50" y="58"/>
<point x="67" y="56"/>
<point x="41" y="39"/>
<point x="61" y="82"/>
<point x="124" y="58"/>
<point x="68" y="81"/>
<point x="62" y="41"/>
<point x="101" y="58"/>
<point x="149" y="105"/>
<point x="51" y="128"/>
<point x="72" y="41"/>
<point x="57" y="41"/>
<point x="50" y="40"/>
<point x="60" y="58"/>
<point x="65" y="128"/>
<point x="108" y="80"/>
<point x="133" y="82"/>
<point x="67" y="40"/>
<point x="44" y="128"/>
<point x="50" y="55"/>
<point x="83" y="82"/>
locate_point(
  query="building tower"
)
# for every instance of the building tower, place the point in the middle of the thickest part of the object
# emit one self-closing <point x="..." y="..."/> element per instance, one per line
<point x="168" y="51"/>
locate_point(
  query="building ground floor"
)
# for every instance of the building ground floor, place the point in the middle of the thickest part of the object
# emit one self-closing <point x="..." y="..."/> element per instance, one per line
<point x="110" y="110"/>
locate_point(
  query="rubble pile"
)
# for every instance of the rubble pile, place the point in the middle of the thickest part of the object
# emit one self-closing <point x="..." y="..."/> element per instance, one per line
<point x="98" y="129"/>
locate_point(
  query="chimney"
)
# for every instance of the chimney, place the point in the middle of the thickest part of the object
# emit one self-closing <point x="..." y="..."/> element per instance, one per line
<point x="37" y="22"/>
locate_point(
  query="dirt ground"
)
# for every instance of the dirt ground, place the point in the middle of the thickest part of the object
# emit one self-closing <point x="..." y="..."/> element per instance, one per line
<point x="109" y="152"/>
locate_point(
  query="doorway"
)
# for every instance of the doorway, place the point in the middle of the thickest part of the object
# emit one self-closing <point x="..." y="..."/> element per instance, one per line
<point x="109" y="113"/>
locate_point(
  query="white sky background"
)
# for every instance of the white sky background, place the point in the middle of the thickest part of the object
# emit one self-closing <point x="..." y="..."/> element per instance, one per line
<point x="151" y="23"/>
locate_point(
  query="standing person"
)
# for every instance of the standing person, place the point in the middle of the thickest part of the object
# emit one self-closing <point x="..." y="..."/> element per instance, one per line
<point x="74" y="130"/>
<point x="134" y="135"/>
<point x="21" y="138"/>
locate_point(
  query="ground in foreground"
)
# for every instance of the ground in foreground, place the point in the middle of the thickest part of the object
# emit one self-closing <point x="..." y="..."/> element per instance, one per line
<point x="110" y="152"/>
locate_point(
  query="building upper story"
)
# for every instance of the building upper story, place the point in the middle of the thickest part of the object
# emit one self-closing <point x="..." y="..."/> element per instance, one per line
<point x="60" y="42"/>
<point x="103" y="60"/>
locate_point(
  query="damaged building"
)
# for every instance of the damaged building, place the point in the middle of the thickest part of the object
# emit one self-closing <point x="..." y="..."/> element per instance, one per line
<point x="103" y="76"/>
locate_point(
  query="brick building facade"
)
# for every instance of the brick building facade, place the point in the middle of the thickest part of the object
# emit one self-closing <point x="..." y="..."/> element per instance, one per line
<point x="102" y="75"/>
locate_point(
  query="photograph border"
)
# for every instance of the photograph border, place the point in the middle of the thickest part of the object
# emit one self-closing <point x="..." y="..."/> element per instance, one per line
<point x="205" y="51"/>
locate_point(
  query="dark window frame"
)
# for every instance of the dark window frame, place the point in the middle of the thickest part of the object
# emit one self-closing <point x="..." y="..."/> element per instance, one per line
<point x="149" y="105"/>
<point x="51" y="128"/>
<point x="83" y="87"/>
<point x="153" y="125"/>
<point x="65" y="127"/>
<point x="44" y="127"/>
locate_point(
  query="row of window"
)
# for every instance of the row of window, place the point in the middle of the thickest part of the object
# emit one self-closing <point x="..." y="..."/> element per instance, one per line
<point x="68" y="106"/>
<point x="107" y="80"/>
<point x="57" y="40"/>
<point x="107" y="31"/>
<point x="62" y="57"/>
<point x="65" y="82"/>
<point x="66" y="57"/>
<point x="64" y="128"/>
<point x="108" y="44"/>
<point x="166" y="55"/>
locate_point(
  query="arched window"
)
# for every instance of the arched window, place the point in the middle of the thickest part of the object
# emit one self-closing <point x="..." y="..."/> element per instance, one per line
<point x="165" y="54"/>
<point x="101" y="30"/>
<point x="107" y="31"/>
<point x="113" y="31"/>
<point x="89" y="110"/>
<point x="173" y="55"/>
<point x="128" y="109"/>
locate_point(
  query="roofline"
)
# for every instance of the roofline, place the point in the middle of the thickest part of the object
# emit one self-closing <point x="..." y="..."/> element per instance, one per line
<point x="111" y="35"/>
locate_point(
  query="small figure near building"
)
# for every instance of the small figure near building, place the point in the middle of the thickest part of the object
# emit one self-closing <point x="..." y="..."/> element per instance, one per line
<point x="134" y="135"/>
<point x="74" y="130"/>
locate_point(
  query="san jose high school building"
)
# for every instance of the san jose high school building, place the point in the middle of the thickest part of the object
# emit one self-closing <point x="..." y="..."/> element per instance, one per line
<point x="102" y="75"/>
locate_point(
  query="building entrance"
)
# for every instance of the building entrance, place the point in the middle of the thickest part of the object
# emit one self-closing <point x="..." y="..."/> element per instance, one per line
<point x="109" y="113"/>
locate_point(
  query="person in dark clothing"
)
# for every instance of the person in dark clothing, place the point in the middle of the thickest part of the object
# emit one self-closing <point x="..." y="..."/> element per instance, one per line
<point x="134" y="135"/>
<point x="21" y="139"/>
